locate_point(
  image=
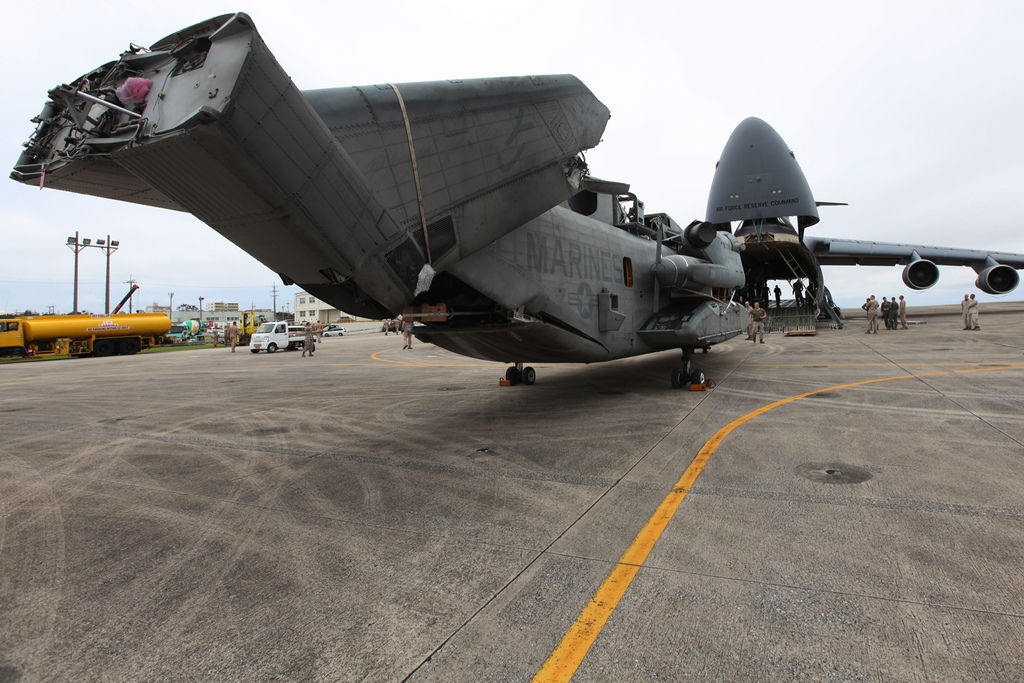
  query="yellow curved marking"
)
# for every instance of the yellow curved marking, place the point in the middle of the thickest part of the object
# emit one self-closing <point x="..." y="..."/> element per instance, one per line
<point x="846" y="365"/>
<point x="563" y="662"/>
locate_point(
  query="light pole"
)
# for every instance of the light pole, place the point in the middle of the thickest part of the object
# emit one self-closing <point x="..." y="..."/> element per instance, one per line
<point x="200" y="310"/>
<point x="76" y="246"/>
<point x="109" y="246"/>
<point x="170" y="306"/>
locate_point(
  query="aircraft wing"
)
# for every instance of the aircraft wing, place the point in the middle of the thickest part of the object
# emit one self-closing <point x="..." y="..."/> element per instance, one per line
<point x="349" y="193"/>
<point x="996" y="270"/>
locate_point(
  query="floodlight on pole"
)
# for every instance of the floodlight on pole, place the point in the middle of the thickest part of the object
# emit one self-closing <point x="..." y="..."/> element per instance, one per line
<point x="108" y="246"/>
<point x="76" y="247"/>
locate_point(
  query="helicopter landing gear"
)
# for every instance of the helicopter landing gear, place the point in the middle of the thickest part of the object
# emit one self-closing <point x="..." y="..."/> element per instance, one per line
<point x="687" y="375"/>
<point x="517" y="374"/>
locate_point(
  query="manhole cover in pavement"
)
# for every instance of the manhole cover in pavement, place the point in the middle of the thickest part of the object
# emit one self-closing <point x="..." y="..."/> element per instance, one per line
<point x="833" y="473"/>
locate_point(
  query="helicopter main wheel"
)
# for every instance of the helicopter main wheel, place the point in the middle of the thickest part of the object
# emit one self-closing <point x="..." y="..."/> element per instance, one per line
<point x="678" y="378"/>
<point x="513" y="375"/>
<point x="697" y="377"/>
<point x="529" y="375"/>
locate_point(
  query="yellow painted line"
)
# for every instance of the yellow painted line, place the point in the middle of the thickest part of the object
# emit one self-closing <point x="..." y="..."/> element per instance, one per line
<point x="566" y="658"/>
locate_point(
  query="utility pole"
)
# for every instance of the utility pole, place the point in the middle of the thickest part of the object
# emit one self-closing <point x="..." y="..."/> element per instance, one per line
<point x="131" y="283"/>
<point x="200" y="310"/>
<point x="273" y="292"/>
<point x="170" y="306"/>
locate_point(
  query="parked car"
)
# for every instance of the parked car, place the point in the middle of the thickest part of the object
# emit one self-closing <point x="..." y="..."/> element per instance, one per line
<point x="334" y="331"/>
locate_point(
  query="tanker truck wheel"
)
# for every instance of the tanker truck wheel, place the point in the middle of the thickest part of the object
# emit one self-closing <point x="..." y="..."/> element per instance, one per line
<point x="127" y="347"/>
<point x="102" y="348"/>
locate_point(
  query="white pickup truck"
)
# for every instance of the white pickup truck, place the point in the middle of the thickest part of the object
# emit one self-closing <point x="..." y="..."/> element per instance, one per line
<point x="270" y="337"/>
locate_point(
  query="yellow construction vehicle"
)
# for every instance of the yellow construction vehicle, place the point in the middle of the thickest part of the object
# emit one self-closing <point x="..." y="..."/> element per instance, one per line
<point x="250" y="321"/>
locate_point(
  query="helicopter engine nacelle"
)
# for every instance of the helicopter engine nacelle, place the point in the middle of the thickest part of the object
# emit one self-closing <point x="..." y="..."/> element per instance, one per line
<point x="680" y="272"/>
<point x="920" y="273"/>
<point x="996" y="278"/>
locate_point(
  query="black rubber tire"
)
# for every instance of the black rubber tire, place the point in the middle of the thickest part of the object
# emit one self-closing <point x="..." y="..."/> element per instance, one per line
<point x="697" y="377"/>
<point x="529" y="375"/>
<point x="677" y="378"/>
<point x="127" y="347"/>
<point x="255" y="350"/>
<point x="513" y="375"/>
<point x="103" y="348"/>
<point x="271" y="347"/>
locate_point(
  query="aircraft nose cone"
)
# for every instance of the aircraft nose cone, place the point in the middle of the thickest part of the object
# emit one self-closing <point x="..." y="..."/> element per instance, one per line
<point x="758" y="177"/>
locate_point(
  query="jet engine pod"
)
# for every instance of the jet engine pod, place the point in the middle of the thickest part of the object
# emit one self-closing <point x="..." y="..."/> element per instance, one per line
<point x="996" y="278"/>
<point x="920" y="273"/>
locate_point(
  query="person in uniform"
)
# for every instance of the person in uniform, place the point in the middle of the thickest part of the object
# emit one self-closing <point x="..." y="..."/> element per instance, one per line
<point x="231" y="336"/>
<point x="750" y="319"/>
<point x="871" y="306"/>
<point x="798" y="291"/>
<point x="965" y="313"/>
<point x="885" y="311"/>
<point x="757" y="317"/>
<point x="216" y="336"/>
<point x="894" y="311"/>
<point x="309" y="340"/>
<point x="778" y="297"/>
<point x="318" y="330"/>
<point x="903" y="313"/>
<point x="973" y="313"/>
<point x="407" y="332"/>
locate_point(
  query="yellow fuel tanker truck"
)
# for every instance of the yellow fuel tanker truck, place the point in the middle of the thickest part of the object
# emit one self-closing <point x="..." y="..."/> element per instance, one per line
<point x="81" y="335"/>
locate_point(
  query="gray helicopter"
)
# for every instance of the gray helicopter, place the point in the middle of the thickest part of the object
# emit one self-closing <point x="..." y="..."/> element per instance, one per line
<point x="465" y="205"/>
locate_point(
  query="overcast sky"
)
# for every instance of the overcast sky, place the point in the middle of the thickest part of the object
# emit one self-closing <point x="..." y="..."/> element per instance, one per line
<point x="910" y="112"/>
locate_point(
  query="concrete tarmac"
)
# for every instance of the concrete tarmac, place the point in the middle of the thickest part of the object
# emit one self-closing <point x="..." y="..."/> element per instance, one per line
<point x="374" y="513"/>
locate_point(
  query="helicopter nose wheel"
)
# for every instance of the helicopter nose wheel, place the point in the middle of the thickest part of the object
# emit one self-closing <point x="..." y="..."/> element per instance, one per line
<point x="687" y="375"/>
<point x="517" y="374"/>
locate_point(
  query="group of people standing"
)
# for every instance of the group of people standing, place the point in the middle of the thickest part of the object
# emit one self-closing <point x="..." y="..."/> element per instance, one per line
<point x="892" y="312"/>
<point x="758" y="291"/>
<point x="970" y="312"/>
<point x="230" y="336"/>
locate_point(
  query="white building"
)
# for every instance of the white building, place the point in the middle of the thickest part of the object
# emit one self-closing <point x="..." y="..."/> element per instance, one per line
<point x="218" y="318"/>
<point x="221" y="307"/>
<point x="308" y="308"/>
